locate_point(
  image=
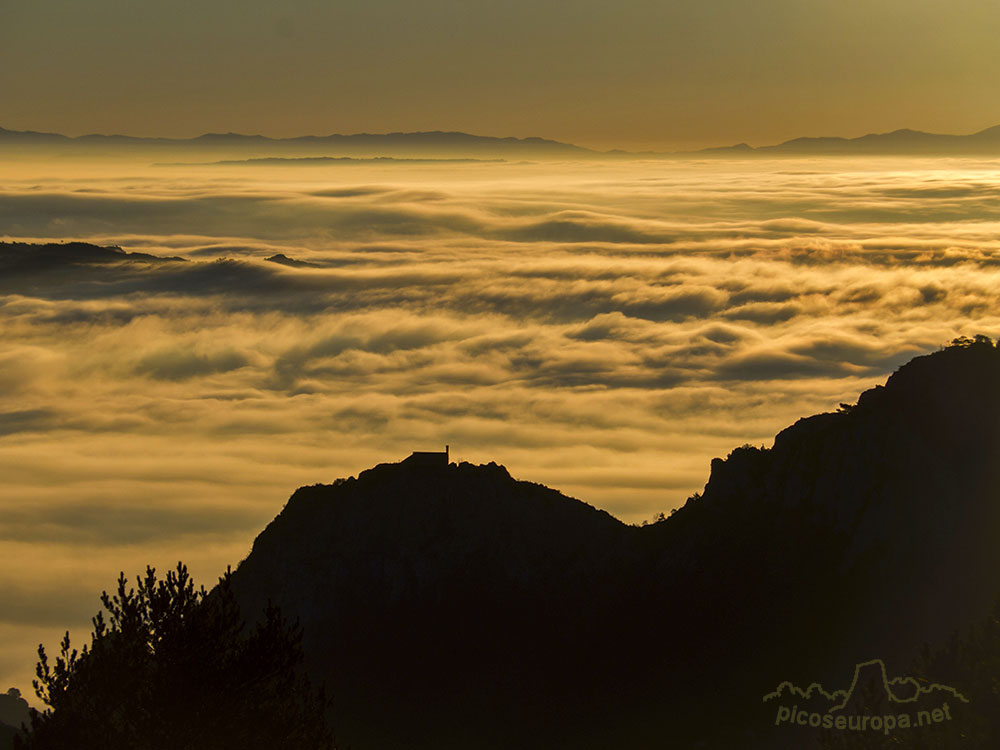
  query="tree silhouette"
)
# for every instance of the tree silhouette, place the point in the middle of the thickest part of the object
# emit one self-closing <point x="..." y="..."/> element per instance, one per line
<point x="170" y="666"/>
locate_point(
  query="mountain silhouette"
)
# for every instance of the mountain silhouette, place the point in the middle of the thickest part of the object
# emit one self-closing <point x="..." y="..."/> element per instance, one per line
<point x="18" y="258"/>
<point x="27" y="268"/>
<point x="325" y="161"/>
<point x="334" y="148"/>
<point x="454" y="606"/>
<point x="903" y="142"/>
<point x="419" y="144"/>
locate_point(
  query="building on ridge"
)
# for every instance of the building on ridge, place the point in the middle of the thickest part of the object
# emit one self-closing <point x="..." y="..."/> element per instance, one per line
<point x="428" y="458"/>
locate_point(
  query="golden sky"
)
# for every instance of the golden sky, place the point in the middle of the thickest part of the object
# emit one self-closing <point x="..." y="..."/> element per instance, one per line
<point x="633" y="73"/>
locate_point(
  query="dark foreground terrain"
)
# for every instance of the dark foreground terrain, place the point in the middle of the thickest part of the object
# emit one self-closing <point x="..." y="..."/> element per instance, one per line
<point x="453" y="606"/>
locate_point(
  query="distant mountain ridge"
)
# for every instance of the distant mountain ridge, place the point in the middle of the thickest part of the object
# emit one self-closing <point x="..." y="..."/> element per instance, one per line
<point x="903" y="142"/>
<point x="455" y="607"/>
<point x="428" y="143"/>
<point x="454" y="144"/>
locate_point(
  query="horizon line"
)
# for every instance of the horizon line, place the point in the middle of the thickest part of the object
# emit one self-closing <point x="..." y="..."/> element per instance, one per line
<point x="741" y="145"/>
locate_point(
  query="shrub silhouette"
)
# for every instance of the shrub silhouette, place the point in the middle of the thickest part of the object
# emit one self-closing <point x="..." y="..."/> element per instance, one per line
<point x="170" y="666"/>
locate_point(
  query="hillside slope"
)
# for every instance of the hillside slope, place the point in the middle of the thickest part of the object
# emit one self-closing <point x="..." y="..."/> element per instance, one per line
<point x="454" y="606"/>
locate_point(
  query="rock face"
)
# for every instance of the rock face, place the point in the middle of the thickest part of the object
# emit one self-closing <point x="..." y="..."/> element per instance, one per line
<point x="453" y="606"/>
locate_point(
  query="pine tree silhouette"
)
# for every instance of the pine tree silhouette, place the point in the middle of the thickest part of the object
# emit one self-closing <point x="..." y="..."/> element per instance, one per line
<point x="170" y="666"/>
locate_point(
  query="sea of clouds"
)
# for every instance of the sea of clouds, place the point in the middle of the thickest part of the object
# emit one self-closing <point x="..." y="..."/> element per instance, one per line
<point x="604" y="328"/>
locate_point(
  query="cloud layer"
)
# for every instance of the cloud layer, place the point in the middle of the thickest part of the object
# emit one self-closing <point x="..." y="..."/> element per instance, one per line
<point x="604" y="328"/>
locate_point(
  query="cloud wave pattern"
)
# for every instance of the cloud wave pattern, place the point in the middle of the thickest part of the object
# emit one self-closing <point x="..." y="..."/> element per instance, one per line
<point x="604" y="328"/>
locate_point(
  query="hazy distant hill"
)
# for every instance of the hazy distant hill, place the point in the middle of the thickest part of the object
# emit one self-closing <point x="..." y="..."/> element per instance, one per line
<point x="897" y="143"/>
<point x="425" y="144"/>
<point x="456" y="607"/>
<point x="455" y="145"/>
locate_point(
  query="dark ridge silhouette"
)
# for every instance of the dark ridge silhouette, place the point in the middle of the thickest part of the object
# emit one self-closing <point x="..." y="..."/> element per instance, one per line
<point x="76" y="269"/>
<point x="283" y="260"/>
<point x="455" y="607"/>
<point x="18" y="258"/>
<point x="79" y="270"/>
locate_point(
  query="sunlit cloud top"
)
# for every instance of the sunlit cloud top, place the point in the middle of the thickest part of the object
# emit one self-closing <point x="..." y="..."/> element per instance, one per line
<point x="603" y="328"/>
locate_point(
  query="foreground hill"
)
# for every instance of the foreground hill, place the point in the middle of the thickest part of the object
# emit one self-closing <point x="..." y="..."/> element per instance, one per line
<point x="453" y="606"/>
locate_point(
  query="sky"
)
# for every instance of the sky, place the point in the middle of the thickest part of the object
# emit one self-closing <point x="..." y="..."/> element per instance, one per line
<point x="658" y="74"/>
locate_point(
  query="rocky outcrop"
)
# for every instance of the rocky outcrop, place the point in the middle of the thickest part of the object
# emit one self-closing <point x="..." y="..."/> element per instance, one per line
<point x="454" y="606"/>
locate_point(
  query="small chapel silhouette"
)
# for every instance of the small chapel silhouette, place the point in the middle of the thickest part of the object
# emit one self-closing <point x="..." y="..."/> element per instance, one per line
<point x="428" y="458"/>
